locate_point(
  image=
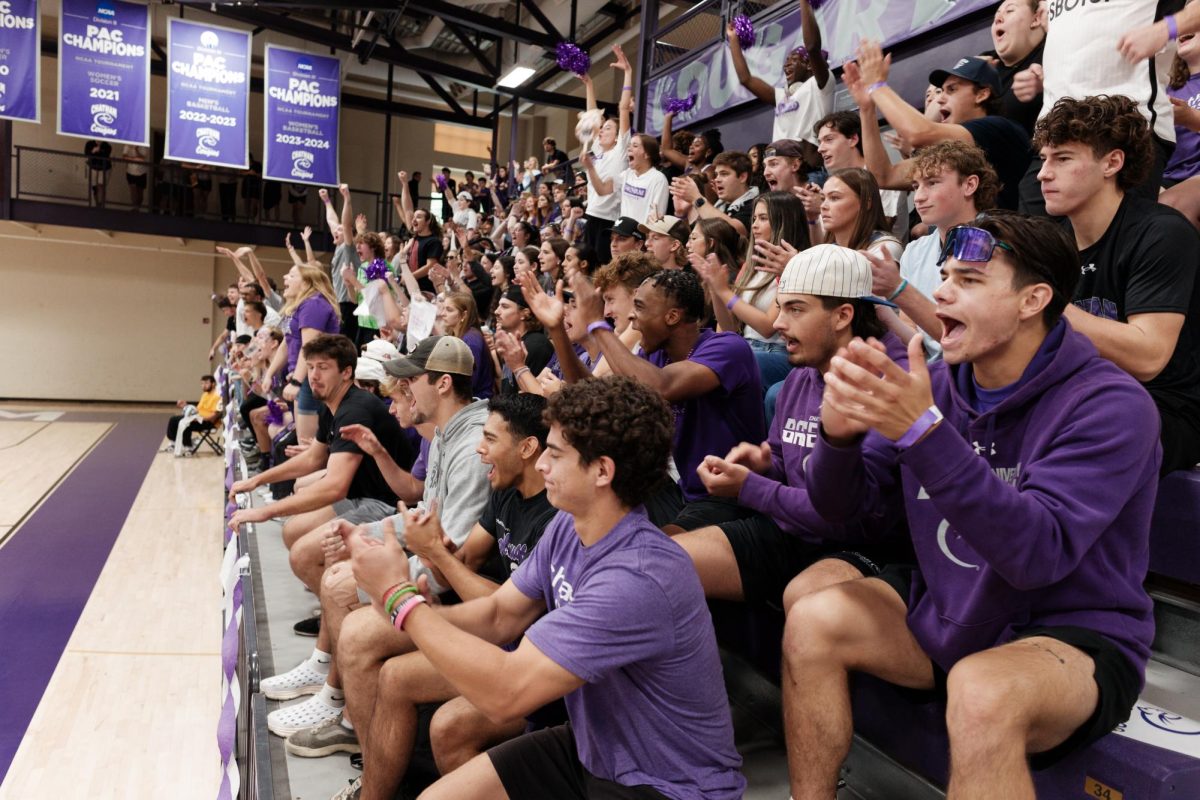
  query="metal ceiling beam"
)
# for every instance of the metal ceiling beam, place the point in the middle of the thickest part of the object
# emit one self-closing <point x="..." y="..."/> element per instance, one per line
<point x="548" y="26"/>
<point x="483" y="23"/>
<point x="480" y="56"/>
<point x="442" y="93"/>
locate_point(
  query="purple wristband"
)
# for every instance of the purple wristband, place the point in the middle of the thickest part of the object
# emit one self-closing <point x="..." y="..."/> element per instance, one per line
<point x="931" y="417"/>
<point x="1172" y="27"/>
<point x="600" y="325"/>
<point x="733" y="301"/>
<point x="877" y="85"/>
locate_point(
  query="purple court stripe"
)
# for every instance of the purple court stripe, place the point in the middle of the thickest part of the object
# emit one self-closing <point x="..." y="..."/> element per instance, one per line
<point x="50" y="566"/>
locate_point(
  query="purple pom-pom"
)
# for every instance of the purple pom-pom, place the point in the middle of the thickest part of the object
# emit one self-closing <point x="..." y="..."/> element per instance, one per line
<point x="571" y="58"/>
<point x="678" y="105"/>
<point x="744" y="29"/>
<point x="440" y="181"/>
<point x="815" y="4"/>
<point x="275" y="411"/>
<point x="377" y="270"/>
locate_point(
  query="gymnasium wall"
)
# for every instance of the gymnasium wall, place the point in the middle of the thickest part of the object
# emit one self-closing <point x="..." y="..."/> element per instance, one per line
<point x="85" y="315"/>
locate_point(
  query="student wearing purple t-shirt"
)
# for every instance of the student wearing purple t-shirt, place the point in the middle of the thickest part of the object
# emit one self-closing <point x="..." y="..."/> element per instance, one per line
<point x="1028" y="466"/>
<point x="711" y="380"/>
<point x="311" y="310"/>
<point x="622" y="631"/>
<point x="771" y="557"/>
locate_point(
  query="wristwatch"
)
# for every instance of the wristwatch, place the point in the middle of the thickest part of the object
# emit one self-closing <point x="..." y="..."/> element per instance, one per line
<point x="700" y="202"/>
<point x="295" y="382"/>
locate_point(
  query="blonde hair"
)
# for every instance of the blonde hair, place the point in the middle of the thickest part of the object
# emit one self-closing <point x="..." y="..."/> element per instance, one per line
<point x="465" y="303"/>
<point x="314" y="280"/>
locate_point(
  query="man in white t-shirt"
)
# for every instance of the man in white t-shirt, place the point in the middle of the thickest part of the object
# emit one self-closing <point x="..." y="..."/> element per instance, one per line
<point x="607" y="158"/>
<point x="807" y="93"/>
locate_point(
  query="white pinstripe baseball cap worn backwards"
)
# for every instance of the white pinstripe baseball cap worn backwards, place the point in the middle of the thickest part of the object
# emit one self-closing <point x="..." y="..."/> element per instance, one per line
<point x="827" y="270"/>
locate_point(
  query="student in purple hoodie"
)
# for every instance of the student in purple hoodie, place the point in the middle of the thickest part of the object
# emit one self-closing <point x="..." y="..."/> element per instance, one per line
<point x="613" y="618"/>
<point x="1028" y="465"/>
<point x="825" y="301"/>
<point x="710" y="379"/>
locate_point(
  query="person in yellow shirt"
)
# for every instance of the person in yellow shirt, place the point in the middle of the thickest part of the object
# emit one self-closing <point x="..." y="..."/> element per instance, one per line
<point x="202" y="416"/>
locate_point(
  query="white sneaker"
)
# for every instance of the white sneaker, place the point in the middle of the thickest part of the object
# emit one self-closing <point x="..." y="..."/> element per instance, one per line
<point x="300" y="680"/>
<point x="300" y="716"/>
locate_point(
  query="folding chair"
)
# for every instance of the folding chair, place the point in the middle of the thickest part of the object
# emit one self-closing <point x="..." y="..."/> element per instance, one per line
<point x="208" y="436"/>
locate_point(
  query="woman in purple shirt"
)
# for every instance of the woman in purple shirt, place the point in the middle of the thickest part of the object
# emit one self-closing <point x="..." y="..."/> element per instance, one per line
<point x="311" y="309"/>
<point x="459" y="317"/>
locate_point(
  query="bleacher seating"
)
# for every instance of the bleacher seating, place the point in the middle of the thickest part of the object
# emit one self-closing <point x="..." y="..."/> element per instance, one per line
<point x="912" y="732"/>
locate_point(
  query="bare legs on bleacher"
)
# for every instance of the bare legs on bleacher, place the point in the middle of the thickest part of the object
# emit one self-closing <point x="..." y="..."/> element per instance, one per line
<point x="1023" y="697"/>
<point x="459" y="731"/>
<point x="475" y="780"/>
<point x="858" y="625"/>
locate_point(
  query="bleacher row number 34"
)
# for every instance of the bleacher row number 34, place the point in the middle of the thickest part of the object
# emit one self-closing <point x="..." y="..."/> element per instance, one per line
<point x="1094" y="788"/>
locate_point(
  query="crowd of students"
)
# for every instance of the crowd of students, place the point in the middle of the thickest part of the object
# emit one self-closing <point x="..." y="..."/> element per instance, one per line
<point x="528" y="440"/>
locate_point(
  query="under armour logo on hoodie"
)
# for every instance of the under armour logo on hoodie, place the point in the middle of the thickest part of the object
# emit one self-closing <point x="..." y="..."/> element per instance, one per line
<point x="980" y="449"/>
<point x="1086" y="268"/>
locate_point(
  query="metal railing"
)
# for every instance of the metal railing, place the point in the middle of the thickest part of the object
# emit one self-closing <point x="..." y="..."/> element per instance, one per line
<point x="178" y="189"/>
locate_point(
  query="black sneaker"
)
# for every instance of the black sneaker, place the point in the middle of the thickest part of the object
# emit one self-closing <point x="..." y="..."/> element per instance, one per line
<point x="308" y="627"/>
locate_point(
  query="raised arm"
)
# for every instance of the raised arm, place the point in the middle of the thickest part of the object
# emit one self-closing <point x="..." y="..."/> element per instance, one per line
<point x="306" y="235"/>
<point x="625" y="107"/>
<point x="406" y="208"/>
<point x="237" y="262"/>
<point x="873" y="68"/>
<point x="331" y="217"/>
<point x="887" y="174"/>
<point x="756" y="86"/>
<point x="811" y="32"/>
<point x="347" y="214"/>
<point x="260" y="274"/>
<point x="666" y="147"/>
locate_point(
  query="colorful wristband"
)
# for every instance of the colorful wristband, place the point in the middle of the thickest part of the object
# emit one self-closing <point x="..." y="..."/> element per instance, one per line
<point x="877" y="85"/>
<point x="395" y="597"/>
<point x="1172" y="27"/>
<point x="899" y="289"/>
<point x="595" y="326"/>
<point x="405" y="609"/>
<point x="931" y="417"/>
<point x="733" y="301"/>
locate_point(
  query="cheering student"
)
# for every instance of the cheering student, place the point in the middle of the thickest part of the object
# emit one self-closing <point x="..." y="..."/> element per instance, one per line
<point x="1028" y="499"/>
<point x="808" y="95"/>
<point x="711" y="378"/>
<point x="624" y="635"/>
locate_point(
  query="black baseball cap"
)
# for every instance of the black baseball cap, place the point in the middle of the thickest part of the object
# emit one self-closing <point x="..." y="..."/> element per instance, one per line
<point x="975" y="70"/>
<point x="627" y="226"/>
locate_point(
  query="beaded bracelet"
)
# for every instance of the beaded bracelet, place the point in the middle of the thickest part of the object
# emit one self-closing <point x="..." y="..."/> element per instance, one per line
<point x="405" y="609"/>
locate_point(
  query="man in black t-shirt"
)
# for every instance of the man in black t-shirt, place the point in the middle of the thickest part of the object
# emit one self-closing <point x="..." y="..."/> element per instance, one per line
<point x="556" y="166"/>
<point x="1138" y="299"/>
<point x="514" y="318"/>
<point x="386" y="680"/>
<point x="351" y="485"/>
<point x="969" y="104"/>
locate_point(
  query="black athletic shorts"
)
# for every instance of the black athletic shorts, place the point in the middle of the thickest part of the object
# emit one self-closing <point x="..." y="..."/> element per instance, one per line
<point x="1116" y="679"/>
<point x="710" y="510"/>
<point x="136" y="180"/>
<point x="768" y="557"/>
<point x="544" y="765"/>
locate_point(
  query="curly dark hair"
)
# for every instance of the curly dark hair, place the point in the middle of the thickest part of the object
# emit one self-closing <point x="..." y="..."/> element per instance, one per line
<point x="371" y="240"/>
<point x="1104" y="123"/>
<point x="620" y="418"/>
<point x="682" y="289"/>
<point x="524" y="413"/>
<point x="966" y="160"/>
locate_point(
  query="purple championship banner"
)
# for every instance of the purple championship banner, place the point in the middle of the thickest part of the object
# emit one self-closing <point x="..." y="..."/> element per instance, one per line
<point x="302" y="93"/>
<point x="208" y="94"/>
<point x="20" y="60"/>
<point x="104" y="71"/>
<point x="844" y="23"/>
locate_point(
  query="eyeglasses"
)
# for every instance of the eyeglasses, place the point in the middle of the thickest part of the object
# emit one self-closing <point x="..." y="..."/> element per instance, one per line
<point x="967" y="243"/>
